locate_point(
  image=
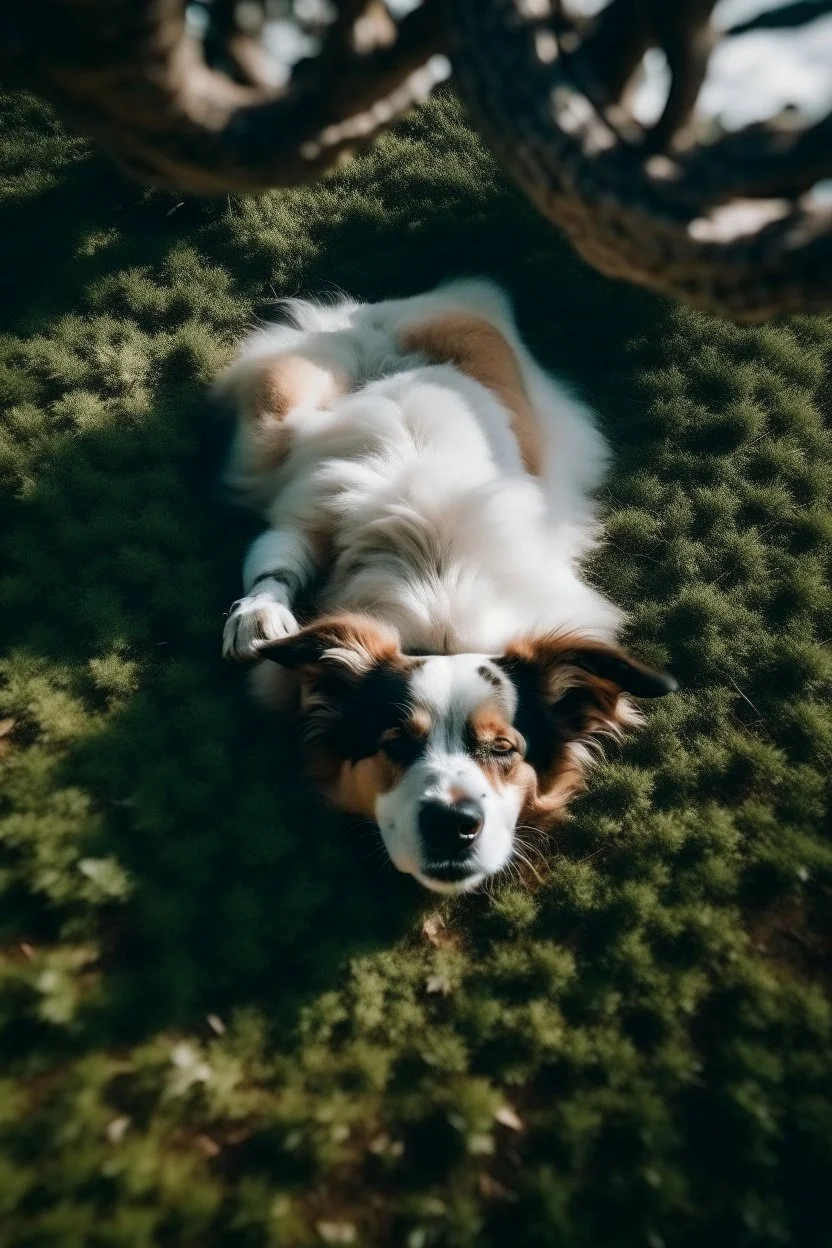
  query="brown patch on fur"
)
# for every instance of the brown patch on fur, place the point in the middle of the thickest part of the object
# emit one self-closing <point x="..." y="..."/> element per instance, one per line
<point x="487" y="725"/>
<point x="478" y="349"/>
<point x="291" y="381"/>
<point x="488" y="722"/>
<point x="358" y="641"/>
<point x="419" y="724"/>
<point x="546" y="800"/>
<point x="277" y="387"/>
<point x="357" y="786"/>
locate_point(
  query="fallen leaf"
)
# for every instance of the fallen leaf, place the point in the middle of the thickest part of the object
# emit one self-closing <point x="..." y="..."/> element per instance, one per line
<point x="207" y="1146"/>
<point x="480" y="1144"/>
<point x="509" y="1118"/>
<point x="117" y="1128"/>
<point x="216" y="1024"/>
<point x="433" y="925"/>
<point x="384" y="1146"/>
<point x="336" y="1232"/>
<point x="493" y="1189"/>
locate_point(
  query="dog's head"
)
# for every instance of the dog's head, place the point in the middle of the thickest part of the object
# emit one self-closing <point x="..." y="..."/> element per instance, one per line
<point x="448" y="753"/>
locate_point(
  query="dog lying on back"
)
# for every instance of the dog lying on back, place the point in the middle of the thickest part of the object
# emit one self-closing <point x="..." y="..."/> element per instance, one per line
<point x="430" y="488"/>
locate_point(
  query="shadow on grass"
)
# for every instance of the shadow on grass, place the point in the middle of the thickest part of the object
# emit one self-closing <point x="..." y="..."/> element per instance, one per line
<point x="241" y="888"/>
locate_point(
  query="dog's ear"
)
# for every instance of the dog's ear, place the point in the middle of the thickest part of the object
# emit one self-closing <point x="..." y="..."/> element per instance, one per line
<point x="570" y="689"/>
<point x="353" y="685"/>
<point x="622" y="670"/>
<point x="562" y="662"/>
<point x="352" y="643"/>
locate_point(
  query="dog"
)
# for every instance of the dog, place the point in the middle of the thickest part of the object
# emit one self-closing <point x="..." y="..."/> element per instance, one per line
<point x="428" y="491"/>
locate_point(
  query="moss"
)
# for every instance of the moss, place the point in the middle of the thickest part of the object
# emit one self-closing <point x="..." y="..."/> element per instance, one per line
<point x="223" y="1019"/>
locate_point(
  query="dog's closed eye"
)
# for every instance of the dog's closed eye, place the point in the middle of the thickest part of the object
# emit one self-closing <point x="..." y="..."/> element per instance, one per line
<point x="501" y="746"/>
<point x="402" y="745"/>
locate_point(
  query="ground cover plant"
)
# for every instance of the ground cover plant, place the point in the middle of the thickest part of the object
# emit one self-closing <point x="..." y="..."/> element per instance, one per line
<point x="223" y="1019"/>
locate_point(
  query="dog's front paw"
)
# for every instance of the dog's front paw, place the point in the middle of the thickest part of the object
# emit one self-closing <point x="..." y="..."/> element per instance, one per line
<point x="255" y="622"/>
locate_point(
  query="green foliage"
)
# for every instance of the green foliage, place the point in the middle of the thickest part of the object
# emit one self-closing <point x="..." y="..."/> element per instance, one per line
<point x="222" y="1019"/>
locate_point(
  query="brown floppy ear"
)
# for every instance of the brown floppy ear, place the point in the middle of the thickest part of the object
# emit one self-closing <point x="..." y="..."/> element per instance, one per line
<point x="570" y="689"/>
<point x="620" y="669"/>
<point x="355" y="643"/>
<point x="563" y="661"/>
<point x="353" y="685"/>
<point x="478" y="349"/>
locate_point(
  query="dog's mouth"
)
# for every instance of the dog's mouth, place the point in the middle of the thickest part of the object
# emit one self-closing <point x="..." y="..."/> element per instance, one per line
<point x="449" y="877"/>
<point x="448" y="872"/>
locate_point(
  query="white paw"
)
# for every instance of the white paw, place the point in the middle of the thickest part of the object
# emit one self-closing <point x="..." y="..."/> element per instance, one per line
<point x="255" y="622"/>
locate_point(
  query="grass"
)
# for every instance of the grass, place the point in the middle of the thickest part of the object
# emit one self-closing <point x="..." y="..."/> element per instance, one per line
<point x="223" y="1021"/>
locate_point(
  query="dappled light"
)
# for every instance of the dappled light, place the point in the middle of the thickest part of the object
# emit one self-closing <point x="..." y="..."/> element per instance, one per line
<point x="224" y="1019"/>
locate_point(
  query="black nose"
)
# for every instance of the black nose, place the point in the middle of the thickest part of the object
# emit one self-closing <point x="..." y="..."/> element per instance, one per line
<point x="450" y="827"/>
